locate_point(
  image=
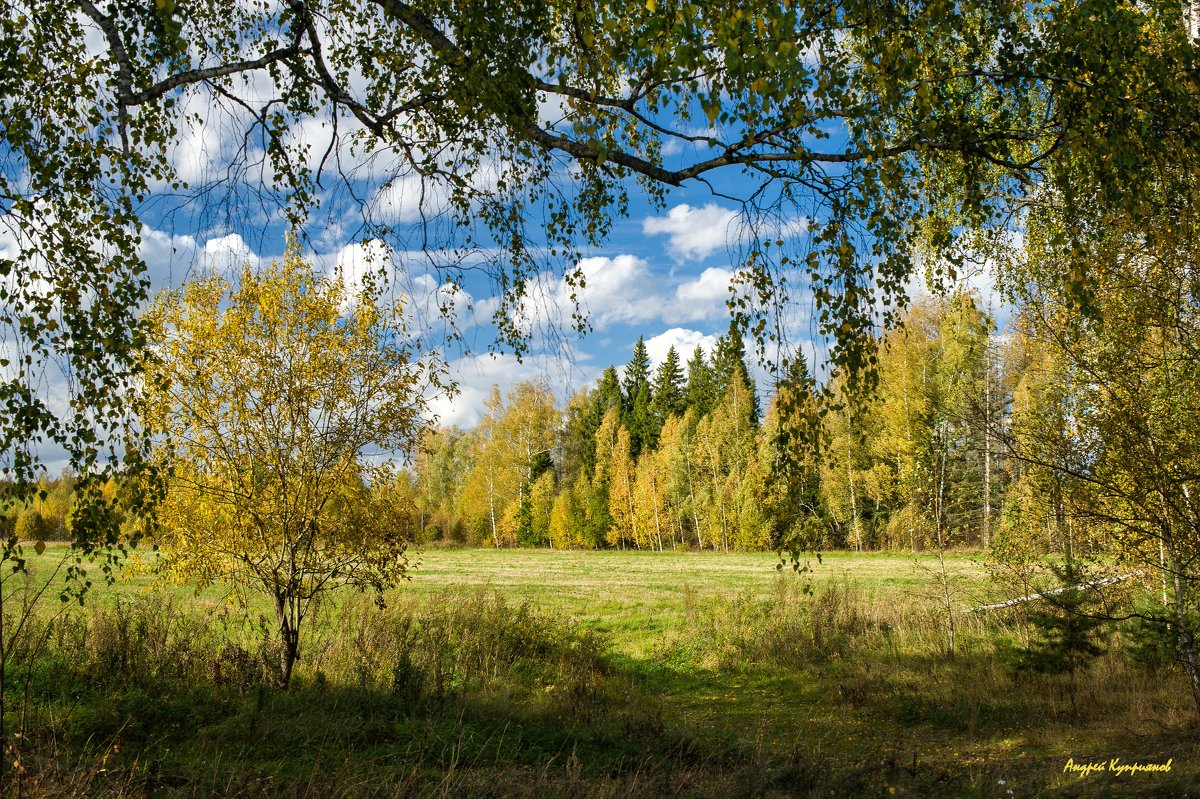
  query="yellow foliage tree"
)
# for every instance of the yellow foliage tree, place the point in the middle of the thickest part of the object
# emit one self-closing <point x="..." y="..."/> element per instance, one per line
<point x="265" y="397"/>
<point x="621" y="492"/>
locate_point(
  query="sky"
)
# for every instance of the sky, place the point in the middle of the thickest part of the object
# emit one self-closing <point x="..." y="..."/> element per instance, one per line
<point x="663" y="273"/>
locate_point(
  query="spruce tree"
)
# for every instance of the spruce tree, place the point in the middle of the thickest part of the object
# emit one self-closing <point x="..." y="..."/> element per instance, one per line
<point x="668" y="393"/>
<point x="701" y="393"/>
<point x="637" y="416"/>
<point x="643" y="428"/>
<point x="607" y="395"/>
<point x="637" y="374"/>
<point x="729" y="358"/>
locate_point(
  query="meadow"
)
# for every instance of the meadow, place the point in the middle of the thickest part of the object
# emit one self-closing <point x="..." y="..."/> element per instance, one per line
<point x="589" y="674"/>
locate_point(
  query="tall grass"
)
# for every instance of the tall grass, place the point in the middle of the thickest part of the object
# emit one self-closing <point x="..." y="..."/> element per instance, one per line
<point x="468" y="693"/>
<point x="892" y="657"/>
<point x="462" y="694"/>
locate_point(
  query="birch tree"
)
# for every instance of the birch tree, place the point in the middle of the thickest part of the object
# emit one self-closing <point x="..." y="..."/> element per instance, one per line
<point x="264" y="398"/>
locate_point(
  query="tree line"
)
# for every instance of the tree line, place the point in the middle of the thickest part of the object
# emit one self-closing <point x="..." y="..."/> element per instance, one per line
<point x="684" y="456"/>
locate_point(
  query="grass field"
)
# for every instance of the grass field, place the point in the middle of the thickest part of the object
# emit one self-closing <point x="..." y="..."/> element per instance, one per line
<point x="538" y="673"/>
<point x="638" y="597"/>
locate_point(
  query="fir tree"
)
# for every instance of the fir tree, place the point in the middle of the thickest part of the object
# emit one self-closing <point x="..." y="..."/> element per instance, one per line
<point x="701" y="393"/>
<point x="636" y="413"/>
<point x="607" y="395"/>
<point x="643" y="428"/>
<point x="1070" y="633"/>
<point x="637" y="374"/>
<point x="730" y="358"/>
<point x="668" y="394"/>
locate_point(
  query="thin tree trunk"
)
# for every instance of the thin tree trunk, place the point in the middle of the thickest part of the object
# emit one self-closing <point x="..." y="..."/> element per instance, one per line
<point x="912" y="517"/>
<point x="492" y="513"/>
<point x="1187" y="639"/>
<point x="854" y="527"/>
<point x="289" y="638"/>
<point x="4" y="653"/>
<point x="987" y="447"/>
<point x="687" y="462"/>
<point x="657" y="523"/>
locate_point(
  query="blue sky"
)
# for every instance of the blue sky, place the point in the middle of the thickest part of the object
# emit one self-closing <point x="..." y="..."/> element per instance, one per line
<point x="664" y="274"/>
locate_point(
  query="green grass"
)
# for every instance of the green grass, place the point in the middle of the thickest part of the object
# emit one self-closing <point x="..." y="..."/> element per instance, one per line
<point x="635" y="598"/>
<point x="534" y="672"/>
<point x="638" y="597"/>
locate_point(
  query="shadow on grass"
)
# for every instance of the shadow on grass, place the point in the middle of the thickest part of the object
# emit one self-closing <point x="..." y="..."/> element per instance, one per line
<point x="477" y="697"/>
<point x="471" y="695"/>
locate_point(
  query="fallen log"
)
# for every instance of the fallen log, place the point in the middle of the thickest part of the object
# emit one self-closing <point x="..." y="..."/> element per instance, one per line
<point x="1008" y="603"/>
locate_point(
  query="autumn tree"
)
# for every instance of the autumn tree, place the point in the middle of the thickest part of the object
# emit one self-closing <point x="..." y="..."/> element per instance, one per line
<point x="789" y="456"/>
<point x="844" y="467"/>
<point x="529" y="426"/>
<point x="1105" y="418"/>
<point x="264" y="398"/>
<point x="493" y="480"/>
<point x="651" y="507"/>
<point x="681" y="475"/>
<point x="625" y="528"/>
<point x="724" y="446"/>
<point x="597" y="493"/>
<point x="903" y="464"/>
<point x="441" y="464"/>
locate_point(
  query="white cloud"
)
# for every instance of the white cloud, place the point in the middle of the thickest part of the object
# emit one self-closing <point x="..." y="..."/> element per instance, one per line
<point x="709" y="290"/>
<point x="169" y="258"/>
<point x="409" y="198"/>
<point x="616" y="290"/>
<point x="553" y="111"/>
<point x="610" y="291"/>
<point x="693" y="232"/>
<point x="356" y="261"/>
<point x="477" y="374"/>
<point x="683" y="340"/>
<point x="226" y="255"/>
<point x="622" y="289"/>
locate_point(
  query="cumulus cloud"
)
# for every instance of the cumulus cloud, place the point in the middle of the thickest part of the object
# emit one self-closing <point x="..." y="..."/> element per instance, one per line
<point x="615" y="290"/>
<point x="169" y="258"/>
<point x="409" y="198"/>
<point x="709" y="290"/>
<point x="622" y="289"/>
<point x="693" y="232"/>
<point x="226" y="255"/>
<point x="683" y="340"/>
<point x="477" y="374"/>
